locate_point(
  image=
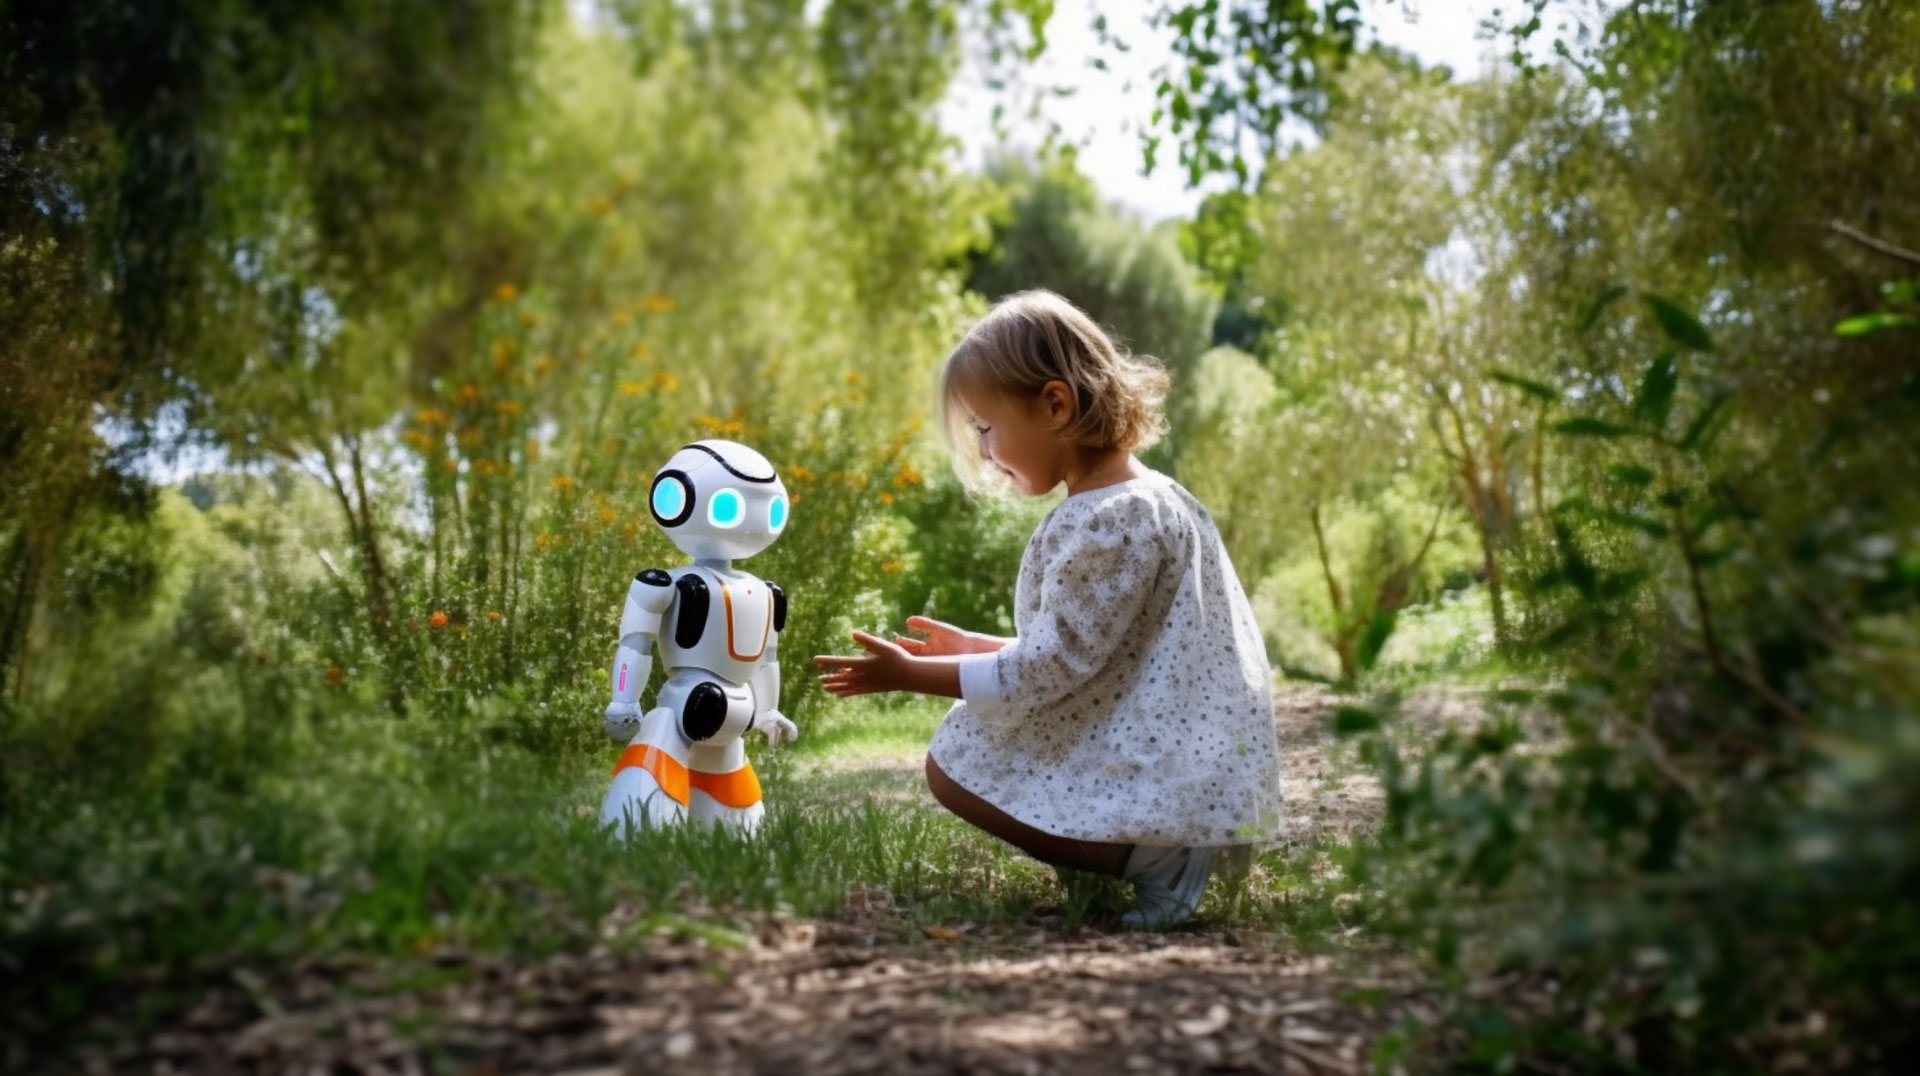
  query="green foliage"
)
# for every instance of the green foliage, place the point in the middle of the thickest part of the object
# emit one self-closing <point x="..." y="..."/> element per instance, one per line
<point x="1055" y="233"/>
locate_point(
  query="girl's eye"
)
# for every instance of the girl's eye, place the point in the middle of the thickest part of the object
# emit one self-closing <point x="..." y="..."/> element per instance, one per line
<point x="981" y="431"/>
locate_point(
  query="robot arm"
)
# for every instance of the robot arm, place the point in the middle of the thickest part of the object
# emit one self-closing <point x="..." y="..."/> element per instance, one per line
<point x="648" y="599"/>
<point x="766" y="679"/>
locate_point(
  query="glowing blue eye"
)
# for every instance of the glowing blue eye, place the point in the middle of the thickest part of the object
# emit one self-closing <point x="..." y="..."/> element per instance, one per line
<point x="669" y="499"/>
<point x="726" y="509"/>
<point x="777" y="513"/>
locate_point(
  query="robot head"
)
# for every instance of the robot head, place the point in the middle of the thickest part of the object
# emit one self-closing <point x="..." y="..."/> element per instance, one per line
<point x="719" y="500"/>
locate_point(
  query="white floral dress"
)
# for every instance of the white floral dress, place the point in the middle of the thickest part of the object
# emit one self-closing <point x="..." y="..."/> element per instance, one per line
<point x="1135" y="705"/>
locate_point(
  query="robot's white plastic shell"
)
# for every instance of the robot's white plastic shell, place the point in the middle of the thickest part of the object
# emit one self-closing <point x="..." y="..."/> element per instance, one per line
<point x="738" y="629"/>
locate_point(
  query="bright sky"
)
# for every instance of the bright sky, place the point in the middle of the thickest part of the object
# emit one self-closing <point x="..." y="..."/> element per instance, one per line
<point x="1105" y="113"/>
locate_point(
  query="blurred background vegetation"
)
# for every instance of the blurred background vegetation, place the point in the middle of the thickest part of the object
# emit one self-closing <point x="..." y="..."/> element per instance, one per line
<point x="341" y="340"/>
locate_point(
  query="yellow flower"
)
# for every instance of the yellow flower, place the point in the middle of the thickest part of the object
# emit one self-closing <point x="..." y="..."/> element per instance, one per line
<point x="542" y="365"/>
<point x="432" y="416"/>
<point x="633" y="388"/>
<point x="852" y="377"/>
<point x="417" y="439"/>
<point x="600" y="205"/>
<point x="907" y="476"/>
<point x="542" y="540"/>
<point x="723" y="426"/>
<point x="438" y="619"/>
<point x="886" y="498"/>
<point x="509" y="407"/>
<point x="485" y="466"/>
<point x="642" y="352"/>
<point x="800" y="474"/>
<point x="469" y="437"/>
<point x="506" y="293"/>
<point x="562" y="483"/>
<point x="502" y="356"/>
<point x="528" y="319"/>
<point x="893" y="567"/>
<point x="620" y="317"/>
<point x="655" y="303"/>
<point x="469" y="392"/>
<point x="493" y="614"/>
<point x="665" y="381"/>
<point x="608" y="515"/>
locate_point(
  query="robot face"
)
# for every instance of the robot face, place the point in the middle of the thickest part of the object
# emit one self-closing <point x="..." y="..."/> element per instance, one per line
<point x="719" y="500"/>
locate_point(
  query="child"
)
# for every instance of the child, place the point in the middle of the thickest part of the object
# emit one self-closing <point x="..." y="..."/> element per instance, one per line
<point x="1128" y="728"/>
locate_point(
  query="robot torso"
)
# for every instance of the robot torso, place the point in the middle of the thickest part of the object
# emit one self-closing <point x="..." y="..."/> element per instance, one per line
<point x="720" y="621"/>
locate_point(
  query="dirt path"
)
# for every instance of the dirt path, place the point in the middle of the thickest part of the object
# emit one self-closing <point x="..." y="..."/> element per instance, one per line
<point x="806" y="998"/>
<point x="863" y="994"/>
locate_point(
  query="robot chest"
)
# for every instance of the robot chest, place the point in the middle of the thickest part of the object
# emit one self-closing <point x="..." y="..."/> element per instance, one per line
<point x="721" y="621"/>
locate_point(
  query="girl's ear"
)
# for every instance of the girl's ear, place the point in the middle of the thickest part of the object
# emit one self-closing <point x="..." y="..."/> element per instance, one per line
<point x="1058" y="405"/>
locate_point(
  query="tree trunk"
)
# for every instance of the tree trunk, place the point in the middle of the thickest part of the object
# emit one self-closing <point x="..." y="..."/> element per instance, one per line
<point x="1343" y="633"/>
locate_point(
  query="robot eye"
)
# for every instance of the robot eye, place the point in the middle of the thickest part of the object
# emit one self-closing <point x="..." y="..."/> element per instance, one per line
<point x="777" y="513"/>
<point x="672" y="498"/>
<point x="727" y="509"/>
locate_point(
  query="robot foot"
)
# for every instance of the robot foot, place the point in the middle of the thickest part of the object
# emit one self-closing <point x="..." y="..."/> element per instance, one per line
<point x="729" y="799"/>
<point x="649" y="789"/>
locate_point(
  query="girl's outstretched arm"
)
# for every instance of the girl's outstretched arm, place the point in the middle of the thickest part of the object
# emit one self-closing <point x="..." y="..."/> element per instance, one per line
<point x="888" y="667"/>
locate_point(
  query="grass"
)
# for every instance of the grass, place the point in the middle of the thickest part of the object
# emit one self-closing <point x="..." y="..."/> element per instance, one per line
<point x="398" y="840"/>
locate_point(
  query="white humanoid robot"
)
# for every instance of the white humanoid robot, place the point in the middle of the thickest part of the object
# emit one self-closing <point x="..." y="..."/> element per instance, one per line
<point x="718" y="630"/>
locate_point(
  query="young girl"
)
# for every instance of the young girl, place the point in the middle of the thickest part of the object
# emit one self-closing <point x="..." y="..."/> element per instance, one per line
<point x="1128" y="728"/>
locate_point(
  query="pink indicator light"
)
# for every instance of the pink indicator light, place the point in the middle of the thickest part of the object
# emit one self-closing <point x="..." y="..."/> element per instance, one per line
<point x="623" y="677"/>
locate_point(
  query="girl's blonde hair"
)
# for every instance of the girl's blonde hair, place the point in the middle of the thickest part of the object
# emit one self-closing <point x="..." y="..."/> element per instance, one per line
<point x="1033" y="337"/>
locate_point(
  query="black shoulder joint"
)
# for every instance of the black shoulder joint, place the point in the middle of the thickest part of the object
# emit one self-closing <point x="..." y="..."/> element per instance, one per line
<point x="779" y="606"/>
<point x="654" y="577"/>
<point x="692" y="617"/>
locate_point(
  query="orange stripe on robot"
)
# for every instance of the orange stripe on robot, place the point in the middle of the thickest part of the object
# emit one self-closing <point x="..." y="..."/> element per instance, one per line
<point x="669" y="772"/>
<point x="726" y="595"/>
<point x="737" y="789"/>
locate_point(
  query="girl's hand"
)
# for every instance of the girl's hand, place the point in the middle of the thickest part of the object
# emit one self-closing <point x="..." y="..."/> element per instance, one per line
<point x="944" y="640"/>
<point x="884" y="667"/>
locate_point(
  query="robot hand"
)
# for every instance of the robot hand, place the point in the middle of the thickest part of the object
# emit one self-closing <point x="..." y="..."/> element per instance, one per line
<point x="622" y="720"/>
<point x="777" y="727"/>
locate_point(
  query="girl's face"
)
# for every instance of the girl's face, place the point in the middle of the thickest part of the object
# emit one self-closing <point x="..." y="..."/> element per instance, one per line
<point x="1021" y="435"/>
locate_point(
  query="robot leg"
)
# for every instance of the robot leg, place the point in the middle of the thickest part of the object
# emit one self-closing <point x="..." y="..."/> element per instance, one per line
<point x="725" y="790"/>
<point x="650" y="785"/>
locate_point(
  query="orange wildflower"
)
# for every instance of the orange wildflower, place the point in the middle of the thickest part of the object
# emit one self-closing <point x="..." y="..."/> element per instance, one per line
<point x="438" y="619"/>
<point x="506" y="292"/>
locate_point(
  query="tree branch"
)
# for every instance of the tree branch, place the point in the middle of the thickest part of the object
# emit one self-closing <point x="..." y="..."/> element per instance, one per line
<point x="1881" y="246"/>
